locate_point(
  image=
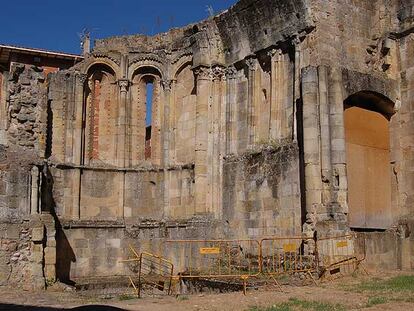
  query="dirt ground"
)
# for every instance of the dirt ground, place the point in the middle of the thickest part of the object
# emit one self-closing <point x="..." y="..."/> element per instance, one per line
<point x="374" y="292"/>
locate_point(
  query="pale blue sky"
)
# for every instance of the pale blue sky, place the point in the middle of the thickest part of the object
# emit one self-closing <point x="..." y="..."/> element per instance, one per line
<point x="54" y="24"/>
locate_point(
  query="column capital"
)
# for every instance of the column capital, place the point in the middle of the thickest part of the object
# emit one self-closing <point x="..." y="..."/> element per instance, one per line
<point x="251" y="62"/>
<point x="123" y="85"/>
<point x="166" y="84"/>
<point x="218" y="72"/>
<point x="203" y="73"/>
<point x="81" y="77"/>
<point x="274" y="52"/>
<point x="231" y="72"/>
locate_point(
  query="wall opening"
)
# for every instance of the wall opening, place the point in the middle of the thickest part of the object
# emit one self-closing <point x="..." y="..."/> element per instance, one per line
<point x="367" y="138"/>
<point x="145" y="143"/>
<point x="100" y="108"/>
<point x="149" y="93"/>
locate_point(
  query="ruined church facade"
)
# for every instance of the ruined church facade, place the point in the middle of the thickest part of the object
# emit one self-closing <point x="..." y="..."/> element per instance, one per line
<point x="273" y="118"/>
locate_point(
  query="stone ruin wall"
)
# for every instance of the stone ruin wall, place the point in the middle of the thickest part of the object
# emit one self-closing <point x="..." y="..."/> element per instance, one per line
<point x="247" y="134"/>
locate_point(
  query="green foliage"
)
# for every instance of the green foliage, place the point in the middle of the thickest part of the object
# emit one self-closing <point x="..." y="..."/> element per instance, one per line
<point x="395" y="284"/>
<point x="126" y="297"/>
<point x="376" y="300"/>
<point x="182" y="298"/>
<point x="298" y="304"/>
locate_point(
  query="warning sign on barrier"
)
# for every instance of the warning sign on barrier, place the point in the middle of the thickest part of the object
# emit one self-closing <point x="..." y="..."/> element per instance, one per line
<point x="289" y="247"/>
<point x="209" y="250"/>
<point x="342" y="244"/>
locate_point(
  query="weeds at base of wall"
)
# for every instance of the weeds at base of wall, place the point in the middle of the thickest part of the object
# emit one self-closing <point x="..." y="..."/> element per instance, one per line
<point x="299" y="304"/>
<point x="124" y="297"/>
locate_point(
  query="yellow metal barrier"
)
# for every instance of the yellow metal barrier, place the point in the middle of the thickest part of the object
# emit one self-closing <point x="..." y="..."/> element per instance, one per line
<point x="337" y="255"/>
<point x="243" y="259"/>
<point x="155" y="271"/>
<point x="214" y="258"/>
<point x="152" y="270"/>
<point x="288" y="255"/>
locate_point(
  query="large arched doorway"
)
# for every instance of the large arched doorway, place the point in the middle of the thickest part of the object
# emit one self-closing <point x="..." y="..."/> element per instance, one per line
<point x="367" y="137"/>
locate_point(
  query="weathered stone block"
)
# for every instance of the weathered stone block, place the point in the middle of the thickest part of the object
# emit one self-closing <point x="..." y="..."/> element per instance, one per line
<point x="38" y="234"/>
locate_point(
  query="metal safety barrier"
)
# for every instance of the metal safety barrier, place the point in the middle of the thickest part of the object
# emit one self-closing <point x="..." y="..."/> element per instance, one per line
<point x="288" y="255"/>
<point x="156" y="272"/>
<point x="338" y="255"/>
<point x="243" y="259"/>
<point x="218" y="259"/>
<point x="151" y="270"/>
<point x="214" y="258"/>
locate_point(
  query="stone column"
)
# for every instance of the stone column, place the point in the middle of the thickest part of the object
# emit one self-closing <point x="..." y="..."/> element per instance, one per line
<point x="278" y="95"/>
<point x="34" y="197"/>
<point x="231" y="110"/>
<point x="337" y="130"/>
<point x="157" y="147"/>
<point x="122" y="123"/>
<point x="311" y="148"/>
<point x="324" y="114"/>
<point x="122" y="154"/>
<point x="215" y="148"/>
<point x="203" y="75"/>
<point x="3" y="108"/>
<point x="78" y="155"/>
<point x="173" y="125"/>
<point x="251" y="64"/>
<point x="80" y="79"/>
<point x="296" y="87"/>
<point x="166" y="85"/>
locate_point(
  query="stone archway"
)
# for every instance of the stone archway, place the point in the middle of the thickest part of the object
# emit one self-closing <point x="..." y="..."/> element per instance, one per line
<point x="367" y="136"/>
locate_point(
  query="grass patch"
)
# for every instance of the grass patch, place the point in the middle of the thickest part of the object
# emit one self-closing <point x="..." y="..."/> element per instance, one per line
<point x="280" y="307"/>
<point x="396" y="284"/>
<point x="372" y="301"/>
<point x="295" y="304"/>
<point x="126" y="297"/>
<point x="181" y="298"/>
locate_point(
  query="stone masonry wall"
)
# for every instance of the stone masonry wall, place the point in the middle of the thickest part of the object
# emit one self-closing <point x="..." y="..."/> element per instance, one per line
<point x="26" y="259"/>
<point x="91" y="249"/>
<point x="262" y="192"/>
<point x="247" y="133"/>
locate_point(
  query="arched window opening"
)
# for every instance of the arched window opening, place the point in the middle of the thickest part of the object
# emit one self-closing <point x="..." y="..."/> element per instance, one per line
<point x="148" y="117"/>
<point x="367" y="138"/>
<point x="145" y="140"/>
<point x="99" y="117"/>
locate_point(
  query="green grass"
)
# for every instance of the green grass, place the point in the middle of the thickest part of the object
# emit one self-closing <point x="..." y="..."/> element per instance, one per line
<point x="377" y="300"/>
<point x="127" y="297"/>
<point x="298" y="304"/>
<point x="402" y="283"/>
<point x="280" y="307"/>
<point x="182" y="298"/>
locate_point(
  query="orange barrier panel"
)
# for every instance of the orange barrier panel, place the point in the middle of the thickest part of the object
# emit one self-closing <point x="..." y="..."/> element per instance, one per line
<point x="155" y="271"/>
<point x="214" y="258"/>
<point x="288" y="255"/>
<point x="338" y="254"/>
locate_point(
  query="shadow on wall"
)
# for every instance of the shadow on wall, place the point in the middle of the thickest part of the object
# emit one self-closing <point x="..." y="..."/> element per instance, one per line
<point x="64" y="252"/>
<point x="37" y="308"/>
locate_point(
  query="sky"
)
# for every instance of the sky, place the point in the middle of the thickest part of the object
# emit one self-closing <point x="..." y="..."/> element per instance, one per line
<point x="56" y="24"/>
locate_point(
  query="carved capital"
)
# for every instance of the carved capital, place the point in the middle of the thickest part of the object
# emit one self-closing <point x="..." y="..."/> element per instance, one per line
<point x="203" y="73"/>
<point x="275" y="54"/>
<point x="123" y="85"/>
<point x="251" y="63"/>
<point x="81" y="77"/>
<point x="166" y="84"/>
<point x="218" y="73"/>
<point x="231" y="72"/>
